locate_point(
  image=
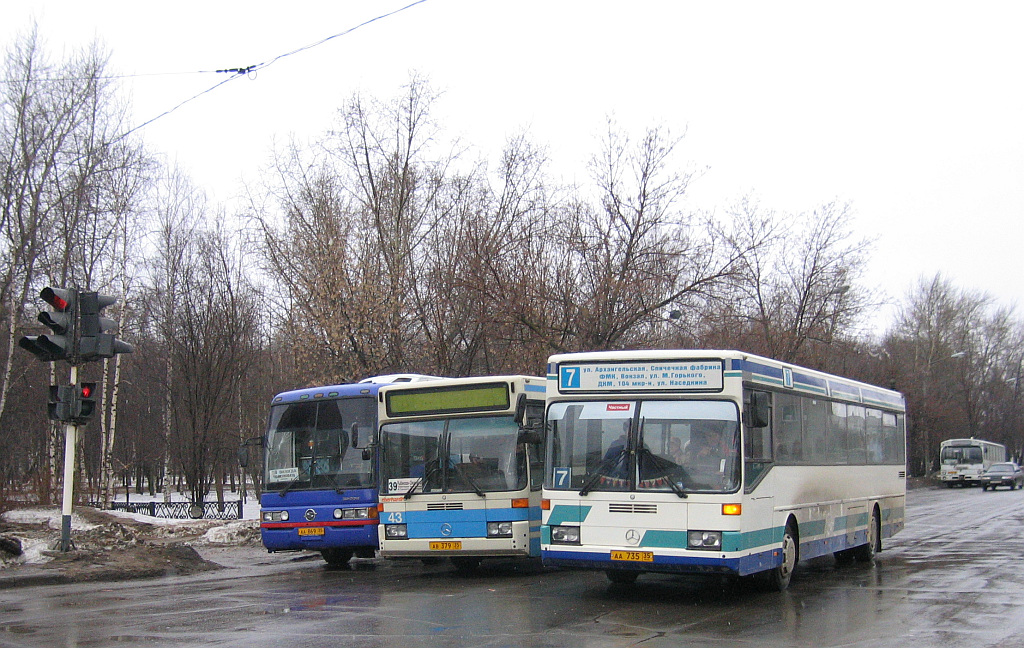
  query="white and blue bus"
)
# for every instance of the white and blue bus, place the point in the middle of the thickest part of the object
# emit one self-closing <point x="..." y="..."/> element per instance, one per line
<point x="461" y="469"/>
<point x="964" y="461"/>
<point x="320" y="470"/>
<point x="715" y="462"/>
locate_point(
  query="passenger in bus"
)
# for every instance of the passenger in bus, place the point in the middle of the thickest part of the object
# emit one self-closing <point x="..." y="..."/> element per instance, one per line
<point x="675" y="450"/>
<point x="703" y="449"/>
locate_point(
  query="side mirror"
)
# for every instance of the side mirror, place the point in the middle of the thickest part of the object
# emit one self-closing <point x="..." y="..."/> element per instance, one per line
<point x="243" y="450"/>
<point x="520" y="410"/>
<point x="353" y="435"/>
<point x="530" y="436"/>
<point x="758" y="410"/>
<point x="530" y="418"/>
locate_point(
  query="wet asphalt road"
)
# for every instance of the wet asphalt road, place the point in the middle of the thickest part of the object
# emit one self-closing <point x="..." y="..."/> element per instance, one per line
<point x="954" y="577"/>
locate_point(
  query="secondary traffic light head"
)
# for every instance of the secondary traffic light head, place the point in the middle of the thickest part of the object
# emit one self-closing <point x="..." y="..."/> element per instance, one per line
<point x="95" y="341"/>
<point x="60" y="405"/>
<point x="62" y="320"/>
<point x="84" y="404"/>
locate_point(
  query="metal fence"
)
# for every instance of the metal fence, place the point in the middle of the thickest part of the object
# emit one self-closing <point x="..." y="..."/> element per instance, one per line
<point x="180" y="510"/>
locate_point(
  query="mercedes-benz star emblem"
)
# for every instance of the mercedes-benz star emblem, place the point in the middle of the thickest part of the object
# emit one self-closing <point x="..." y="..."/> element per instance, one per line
<point x="632" y="536"/>
<point x="310" y="515"/>
<point x="446" y="529"/>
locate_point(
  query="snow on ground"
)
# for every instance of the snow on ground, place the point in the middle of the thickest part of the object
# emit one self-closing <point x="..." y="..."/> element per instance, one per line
<point x="47" y="515"/>
<point x="136" y="527"/>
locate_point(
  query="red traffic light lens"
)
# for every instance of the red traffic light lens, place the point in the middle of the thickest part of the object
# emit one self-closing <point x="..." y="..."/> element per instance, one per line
<point x="86" y="391"/>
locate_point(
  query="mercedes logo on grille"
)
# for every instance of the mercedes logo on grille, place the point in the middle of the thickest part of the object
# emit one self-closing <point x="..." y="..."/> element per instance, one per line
<point x="310" y="515"/>
<point x="446" y="529"/>
<point x="632" y="536"/>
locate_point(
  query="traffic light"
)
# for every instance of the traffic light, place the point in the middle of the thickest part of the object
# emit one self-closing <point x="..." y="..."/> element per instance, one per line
<point x="84" y="404"/>
<point x="61" y="402"/>
<point x="95" y="342"/>
<point x="62" y="321"/>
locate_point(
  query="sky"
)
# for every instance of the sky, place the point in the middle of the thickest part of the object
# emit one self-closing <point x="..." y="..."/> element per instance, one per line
<point x="911" y="112"/>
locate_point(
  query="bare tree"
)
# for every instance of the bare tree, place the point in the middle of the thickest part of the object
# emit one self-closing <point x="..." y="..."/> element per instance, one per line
<point x="624" y="258"/>
<point x="931" y="344"/>
<point x="211" y="347"/>
<point x="68" y="174"/>
<point x="798" y="286"/>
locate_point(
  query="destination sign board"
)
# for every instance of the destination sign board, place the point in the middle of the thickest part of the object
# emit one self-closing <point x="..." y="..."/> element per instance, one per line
<point x="644" y="376"/>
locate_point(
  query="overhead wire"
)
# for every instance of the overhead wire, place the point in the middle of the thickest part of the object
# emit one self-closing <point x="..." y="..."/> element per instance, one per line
<point x="239" y="72"/>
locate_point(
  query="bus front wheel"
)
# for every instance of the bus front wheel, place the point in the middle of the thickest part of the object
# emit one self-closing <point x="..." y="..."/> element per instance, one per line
<point x="622" y="576"/>
<point x="336" y="557"/>
<point x="466" y="564"/>
<point x="777" y="578"/>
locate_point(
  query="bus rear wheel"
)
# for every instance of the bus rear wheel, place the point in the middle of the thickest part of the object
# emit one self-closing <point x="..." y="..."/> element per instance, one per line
<point x="336" y="556"/>
<point x="866" y="552"/>
<point x="777" y="578"/>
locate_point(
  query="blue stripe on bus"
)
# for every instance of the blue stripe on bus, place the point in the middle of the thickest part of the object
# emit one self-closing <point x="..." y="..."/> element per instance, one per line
<point x="470" y="523"/>
<point x="536" y="388"/>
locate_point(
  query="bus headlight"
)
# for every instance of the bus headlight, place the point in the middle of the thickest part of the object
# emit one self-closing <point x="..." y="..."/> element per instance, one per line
<point x="355" y="514"/>
<point x="565" y="535"/>
<point x="499" y="529"/>
<point x="396" y="531"/>
<point x="275" y="516"/>
<point x="710" y="540"/>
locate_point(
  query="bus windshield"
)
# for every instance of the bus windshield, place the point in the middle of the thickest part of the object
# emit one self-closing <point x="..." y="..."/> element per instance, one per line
<point x="961" y="454"/>
<point x="671" y="446"/>
<point x="310" y="445"/>
<point x="453" y="456"/>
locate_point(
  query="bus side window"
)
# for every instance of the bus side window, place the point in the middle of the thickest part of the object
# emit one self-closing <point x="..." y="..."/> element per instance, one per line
<point x="788" y="429"/>
<point x="757" y="445"/>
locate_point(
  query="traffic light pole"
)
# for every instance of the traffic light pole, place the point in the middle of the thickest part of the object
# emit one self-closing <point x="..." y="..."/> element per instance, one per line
<point x="80" y="334"/>
<point x="70" y="439"/>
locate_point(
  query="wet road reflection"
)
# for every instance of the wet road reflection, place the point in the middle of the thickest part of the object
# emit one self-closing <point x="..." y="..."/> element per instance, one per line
<point x="952" y="578"/>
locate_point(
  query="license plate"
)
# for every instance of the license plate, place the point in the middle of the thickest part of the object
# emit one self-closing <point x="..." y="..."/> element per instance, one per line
<point x="450" y="545"/>
<point x="634" y="556"/>
<point x="311" y="531"/>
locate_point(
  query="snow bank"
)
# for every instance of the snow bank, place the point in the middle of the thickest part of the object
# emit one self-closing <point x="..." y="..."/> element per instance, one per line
<point x="50" y="517"/>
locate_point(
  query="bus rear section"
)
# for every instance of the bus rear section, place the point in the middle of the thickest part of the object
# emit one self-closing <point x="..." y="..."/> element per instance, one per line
<point x="457" y="462"/>
<point x="320" y="470"/>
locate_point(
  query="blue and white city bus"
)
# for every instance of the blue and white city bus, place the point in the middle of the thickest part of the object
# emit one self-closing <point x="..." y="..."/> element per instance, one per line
<point x="461" y="469"/>
<point x="320" y="470"/>
<point x="716" y="462"/>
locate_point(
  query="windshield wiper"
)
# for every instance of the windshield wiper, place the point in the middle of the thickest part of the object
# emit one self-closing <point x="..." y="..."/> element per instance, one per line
<point x="607" y="464"/>
<point x="466" y="478"/>
<point x="658" y="462"/>
<point x="422" y="480"/>
<point x="290" y="485"/>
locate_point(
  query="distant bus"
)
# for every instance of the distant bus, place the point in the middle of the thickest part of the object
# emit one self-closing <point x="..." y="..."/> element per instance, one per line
<point x="962" y="461"/>
<point x="715" y="462"/>
<point x="320" y="470"/>
<point x="461" y="469"/>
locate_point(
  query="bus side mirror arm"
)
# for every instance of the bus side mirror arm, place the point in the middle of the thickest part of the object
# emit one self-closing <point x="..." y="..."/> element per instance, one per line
<point x="243" y="450"/>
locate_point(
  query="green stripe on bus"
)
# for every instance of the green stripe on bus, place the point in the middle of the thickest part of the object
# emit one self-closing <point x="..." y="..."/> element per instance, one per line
<point x="562" y="513"/>
<point x="812" y="528"/>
